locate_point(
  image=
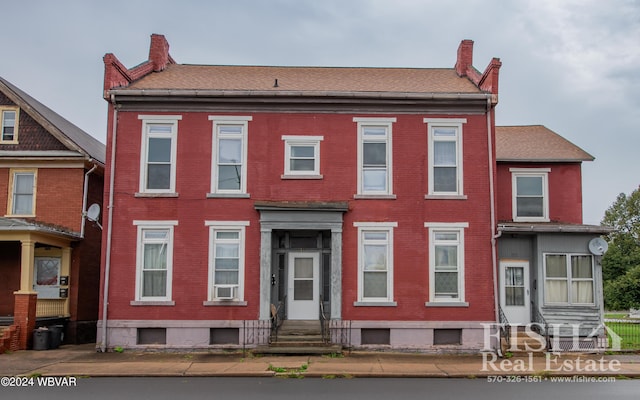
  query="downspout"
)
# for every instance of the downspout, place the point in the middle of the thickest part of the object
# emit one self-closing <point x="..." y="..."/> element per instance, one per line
<point x="107" y="261"/>
<point x="494" y="235"/>
<point x="84" y="198"/>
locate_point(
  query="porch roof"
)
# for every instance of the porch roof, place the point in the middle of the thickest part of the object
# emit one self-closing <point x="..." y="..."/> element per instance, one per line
<point x="302" y="205"/>
<point x="15" y="225"/>
<point x="553" y="227"/>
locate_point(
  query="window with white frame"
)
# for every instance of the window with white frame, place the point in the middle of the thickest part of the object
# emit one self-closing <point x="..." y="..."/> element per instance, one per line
<point x="229" y="155"/>
<point x="375" y="261"/>
<point x="568" y="279"/>
<point x="22" y="192"/>
<point x="445" y="173"/>
<point x="375" y="161"/>
<point x="154" y="262"/>
<point x="8" y="125"/>
<point x="446" y="262"/>
<point x="226" y="260"/>
<point x="530" y="194"/>
<point x="302" y="155"/>
<point x="158" y="154"/>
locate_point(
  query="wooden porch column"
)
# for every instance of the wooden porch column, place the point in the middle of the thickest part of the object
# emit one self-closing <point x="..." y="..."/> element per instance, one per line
<point x="65" y="270"/>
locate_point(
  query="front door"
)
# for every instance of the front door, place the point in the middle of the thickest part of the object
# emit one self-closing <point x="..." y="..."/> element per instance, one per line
<point x="514" y="291"/>
<point x="304" y="284"/>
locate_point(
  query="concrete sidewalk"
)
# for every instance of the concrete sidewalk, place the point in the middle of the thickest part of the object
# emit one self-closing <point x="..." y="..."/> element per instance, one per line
<point x="83" y="360"/>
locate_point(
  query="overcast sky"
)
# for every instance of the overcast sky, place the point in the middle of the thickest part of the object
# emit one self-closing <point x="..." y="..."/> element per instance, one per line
<point x="572" y="66"/>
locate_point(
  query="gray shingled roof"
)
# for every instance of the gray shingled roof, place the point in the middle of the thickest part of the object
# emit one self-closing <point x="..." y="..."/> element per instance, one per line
<point x="81" y="140"/>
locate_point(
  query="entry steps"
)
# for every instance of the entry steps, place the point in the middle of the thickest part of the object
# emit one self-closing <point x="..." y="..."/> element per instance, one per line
<point x="523" y="342"/>
<point x="299" y="337"/>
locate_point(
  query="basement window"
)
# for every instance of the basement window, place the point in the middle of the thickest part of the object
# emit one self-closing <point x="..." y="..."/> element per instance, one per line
<point x="152" y="336"/>
<point x="375" y="336"/>
<point x="224" y="336"/>
<point x="447" y="336"/>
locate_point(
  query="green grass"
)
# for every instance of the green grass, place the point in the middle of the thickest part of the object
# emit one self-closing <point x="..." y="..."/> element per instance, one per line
<point x="630" y="334"/>
<point x="616" y="315"/>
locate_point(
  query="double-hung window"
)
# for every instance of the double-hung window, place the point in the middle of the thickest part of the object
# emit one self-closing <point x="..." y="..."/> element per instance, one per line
<point x="154" y="264"/>
<point x="375" y="160"/>
<point x="530" y="194"/>
<point x="445" y="174"/>
<point x="568" y="279"/>
<point x="375" y="263"/>
<point x="158" y="154"/>
<point x="226" y="260"/>
<point x="22" y="192"/>
<point x="446" y="263"/>
<point x="8" y="125"/>
<point x="302" y="156"/>
<point x="229" y="156"/>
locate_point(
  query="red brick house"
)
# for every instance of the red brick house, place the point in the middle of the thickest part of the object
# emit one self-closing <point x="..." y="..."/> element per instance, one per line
<point x="366" y="196"/>
<point x="50" y="172"/>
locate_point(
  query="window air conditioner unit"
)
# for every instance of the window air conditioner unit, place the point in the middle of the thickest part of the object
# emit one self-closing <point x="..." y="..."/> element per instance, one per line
<point x="226" y="292"/>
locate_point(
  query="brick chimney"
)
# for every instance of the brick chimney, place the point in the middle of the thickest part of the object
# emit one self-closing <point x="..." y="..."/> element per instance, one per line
<point x="465" y="57"/>
<point x="159" y="52"/>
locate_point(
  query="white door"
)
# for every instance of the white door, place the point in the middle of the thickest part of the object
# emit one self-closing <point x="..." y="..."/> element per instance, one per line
<point x="304" y="286"/>
<point x="514" y="291"/>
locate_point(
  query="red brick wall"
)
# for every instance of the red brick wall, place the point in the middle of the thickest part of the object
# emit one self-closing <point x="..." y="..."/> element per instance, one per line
<point x="25" y="318"/>
<point x="338" y="166"/>
<point x="59" y="197"/>
<point x="565" y="191"/>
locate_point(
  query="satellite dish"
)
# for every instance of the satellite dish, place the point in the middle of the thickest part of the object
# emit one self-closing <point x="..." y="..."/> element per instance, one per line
<point x="598" y="246"/>
<point x="93" y="213"/>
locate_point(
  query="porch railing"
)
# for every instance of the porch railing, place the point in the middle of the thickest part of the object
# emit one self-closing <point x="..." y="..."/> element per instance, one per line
<point x="324" y="323"/>
<point x="51" y="308"/>
<point x="541" y="326"/>
<point x="505" y="330"/>
<point x="277" y="316"/>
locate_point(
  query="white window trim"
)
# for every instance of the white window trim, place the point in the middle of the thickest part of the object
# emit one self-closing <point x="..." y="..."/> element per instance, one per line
<point x="218" y="120"/>
<point x="459" y="228"/>
<point x="214" y="226"/>
<point x="158" y="119"/>
<point x="569" y="279"/>
<point x="15" y="125"/>
<point x="299" y="140"/>
<point x="380" y="227"/>
<point x="457" y="123"/>
<point x="533" y="172"/>
<point x="155" y="300"/>
<point x="378" y="122"/>
<point x="12" y="186"/>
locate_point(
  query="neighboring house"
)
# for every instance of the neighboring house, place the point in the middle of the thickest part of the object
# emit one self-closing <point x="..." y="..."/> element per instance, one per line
<point x="364" y="195"/>
<point x="50" y="171"/>
<point x="548" y="274"/>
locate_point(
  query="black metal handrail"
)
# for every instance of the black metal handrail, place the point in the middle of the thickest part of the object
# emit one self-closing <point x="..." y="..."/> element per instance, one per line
<point x="505" y="329"/>
<point x="276" y="318"/>
<point x="324" y="323"/>
<point x="542" y="324"/>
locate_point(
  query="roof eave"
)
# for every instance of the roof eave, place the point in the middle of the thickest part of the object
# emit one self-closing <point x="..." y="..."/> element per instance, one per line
<point x="296" y="93"/>
<point x="533" y="227"/>
<point x="545" y="160"/>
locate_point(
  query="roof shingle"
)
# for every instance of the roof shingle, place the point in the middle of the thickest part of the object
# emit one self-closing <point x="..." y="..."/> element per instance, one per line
<point x="305" y="79"/>
<point x="536" y="143"/>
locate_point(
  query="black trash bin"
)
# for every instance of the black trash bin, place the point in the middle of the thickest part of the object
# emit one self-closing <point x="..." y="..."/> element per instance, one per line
<point x="41" y="339"/>
<point x="56" y="333"/>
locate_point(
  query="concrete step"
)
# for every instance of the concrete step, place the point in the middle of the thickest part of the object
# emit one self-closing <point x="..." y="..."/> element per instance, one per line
<point x="298" y="350"/>
<point x="298" y="338"/>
